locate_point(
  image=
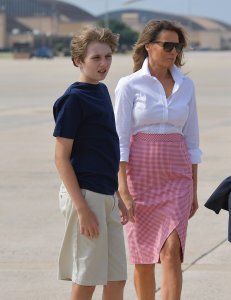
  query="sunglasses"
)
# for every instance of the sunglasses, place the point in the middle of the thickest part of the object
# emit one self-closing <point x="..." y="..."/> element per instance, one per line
<point x="168" y="46"/>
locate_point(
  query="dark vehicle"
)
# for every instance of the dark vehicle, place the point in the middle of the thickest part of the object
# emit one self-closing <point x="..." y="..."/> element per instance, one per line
<point x="43" y="52"/>
<point x="66" y="52"/>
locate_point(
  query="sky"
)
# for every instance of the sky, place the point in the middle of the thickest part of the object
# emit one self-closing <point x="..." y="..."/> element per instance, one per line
<point x="215" y="9"/>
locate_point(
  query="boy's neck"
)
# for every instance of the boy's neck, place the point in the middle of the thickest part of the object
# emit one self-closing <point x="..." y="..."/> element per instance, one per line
<point x="86" y="80"/>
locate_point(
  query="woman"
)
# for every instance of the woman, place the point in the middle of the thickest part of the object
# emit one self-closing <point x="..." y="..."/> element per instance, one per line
<point x="156" y="120"/>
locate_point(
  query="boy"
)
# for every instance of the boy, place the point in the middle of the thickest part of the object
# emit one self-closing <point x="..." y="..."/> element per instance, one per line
<point x="87" y="159"/>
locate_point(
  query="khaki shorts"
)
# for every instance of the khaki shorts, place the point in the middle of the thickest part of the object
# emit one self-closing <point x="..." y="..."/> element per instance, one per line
<point x="92" y="261"/>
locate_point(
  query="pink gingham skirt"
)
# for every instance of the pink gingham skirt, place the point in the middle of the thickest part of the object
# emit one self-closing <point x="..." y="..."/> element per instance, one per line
<point x="159" y="177"/>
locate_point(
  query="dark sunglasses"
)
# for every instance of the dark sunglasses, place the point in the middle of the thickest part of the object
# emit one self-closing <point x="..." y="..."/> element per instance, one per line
<point x="168" y="46"/>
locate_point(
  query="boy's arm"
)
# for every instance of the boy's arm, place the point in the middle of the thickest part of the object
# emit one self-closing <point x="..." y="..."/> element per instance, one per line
<point x="88" y="222"/>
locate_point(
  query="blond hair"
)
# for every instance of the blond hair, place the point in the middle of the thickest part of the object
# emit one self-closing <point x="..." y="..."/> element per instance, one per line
<point x="150" y="34"/>
<point x="90" y="34"/>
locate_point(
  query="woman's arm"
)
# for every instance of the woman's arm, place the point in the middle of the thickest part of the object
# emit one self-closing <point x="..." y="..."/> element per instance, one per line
<point x="195" y="200"/>
<point x="123" y="118"/>
<point x="124" y="192"/>
<point x="88" y="222"/>
<point x="191" y="131"/>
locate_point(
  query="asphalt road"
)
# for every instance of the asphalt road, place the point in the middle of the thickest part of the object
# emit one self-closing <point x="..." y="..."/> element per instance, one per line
<point x="31" y="226"/>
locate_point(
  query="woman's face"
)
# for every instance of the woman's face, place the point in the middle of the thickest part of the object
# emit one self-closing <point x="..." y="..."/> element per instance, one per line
<point x="161" y="54"/>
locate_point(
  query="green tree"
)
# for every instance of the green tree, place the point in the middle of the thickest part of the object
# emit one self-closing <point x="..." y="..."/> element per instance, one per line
<point x="128" y="37"/>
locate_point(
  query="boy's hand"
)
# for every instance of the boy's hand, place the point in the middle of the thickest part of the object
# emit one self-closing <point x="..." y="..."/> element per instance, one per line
<point x="88" y="223"/>
<point x="123" y="212"/>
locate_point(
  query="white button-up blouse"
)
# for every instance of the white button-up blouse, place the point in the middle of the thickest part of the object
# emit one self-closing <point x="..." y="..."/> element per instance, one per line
<point x="141" y="106"/>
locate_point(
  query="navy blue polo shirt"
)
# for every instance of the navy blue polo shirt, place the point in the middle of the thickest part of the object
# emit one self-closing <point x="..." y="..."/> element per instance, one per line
<point x="85" y="114"/>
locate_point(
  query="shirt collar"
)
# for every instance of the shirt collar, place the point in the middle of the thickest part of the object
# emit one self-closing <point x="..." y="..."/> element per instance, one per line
<point x="175" y="71"/>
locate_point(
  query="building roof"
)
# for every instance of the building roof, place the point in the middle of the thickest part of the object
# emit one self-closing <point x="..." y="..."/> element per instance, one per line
<point x="195" y="23"/>
<point x="12" y="24"/>
<point x="29" y="8"/>
<point x="210" y="24"/>
<point x="73" y="13"/>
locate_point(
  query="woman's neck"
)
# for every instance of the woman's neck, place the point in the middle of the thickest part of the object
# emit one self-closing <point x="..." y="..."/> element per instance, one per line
<point x="159" y="72"/>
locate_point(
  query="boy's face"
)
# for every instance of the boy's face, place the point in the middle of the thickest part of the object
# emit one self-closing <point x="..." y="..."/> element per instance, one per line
<point x="96" y="64"/>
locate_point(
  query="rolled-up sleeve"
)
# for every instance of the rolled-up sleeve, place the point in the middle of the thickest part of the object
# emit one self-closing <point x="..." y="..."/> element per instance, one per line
<point x="123" y="117"/>
<point x="191" y="131"/>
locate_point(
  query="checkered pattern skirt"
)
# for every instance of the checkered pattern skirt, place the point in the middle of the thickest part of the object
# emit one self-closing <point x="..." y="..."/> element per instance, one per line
<point x="159" y="178"/>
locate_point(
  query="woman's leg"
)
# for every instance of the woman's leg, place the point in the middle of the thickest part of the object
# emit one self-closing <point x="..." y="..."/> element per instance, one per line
<point x="114" y="290"/>
<point x="144" y="280"/>
<point x="170" y="257"/>
<point x="82" y="292"/>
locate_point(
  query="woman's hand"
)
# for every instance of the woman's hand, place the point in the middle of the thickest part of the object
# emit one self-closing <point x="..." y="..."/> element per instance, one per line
<point x="123" y="211"/>
<point x="194" y="207"/>
<point x="130" y="205"/>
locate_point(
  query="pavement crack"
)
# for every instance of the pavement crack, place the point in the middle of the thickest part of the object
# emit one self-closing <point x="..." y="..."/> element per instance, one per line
<point x="203" y="255"/>
<point x="199" y="258"/>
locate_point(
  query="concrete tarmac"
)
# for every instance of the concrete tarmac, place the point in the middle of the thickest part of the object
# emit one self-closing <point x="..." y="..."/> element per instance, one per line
<point x="31" y="226"/>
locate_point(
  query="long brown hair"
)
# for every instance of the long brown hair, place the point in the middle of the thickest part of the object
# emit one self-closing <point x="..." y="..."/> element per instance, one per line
<point x="150" y="34"/>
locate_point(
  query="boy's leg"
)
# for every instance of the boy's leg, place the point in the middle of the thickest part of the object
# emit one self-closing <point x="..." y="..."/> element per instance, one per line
<point x="114" y="290"/>
<point x="82" y="292"/>
<point x="91" y="255"/>
<point x="117" y="264"/>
